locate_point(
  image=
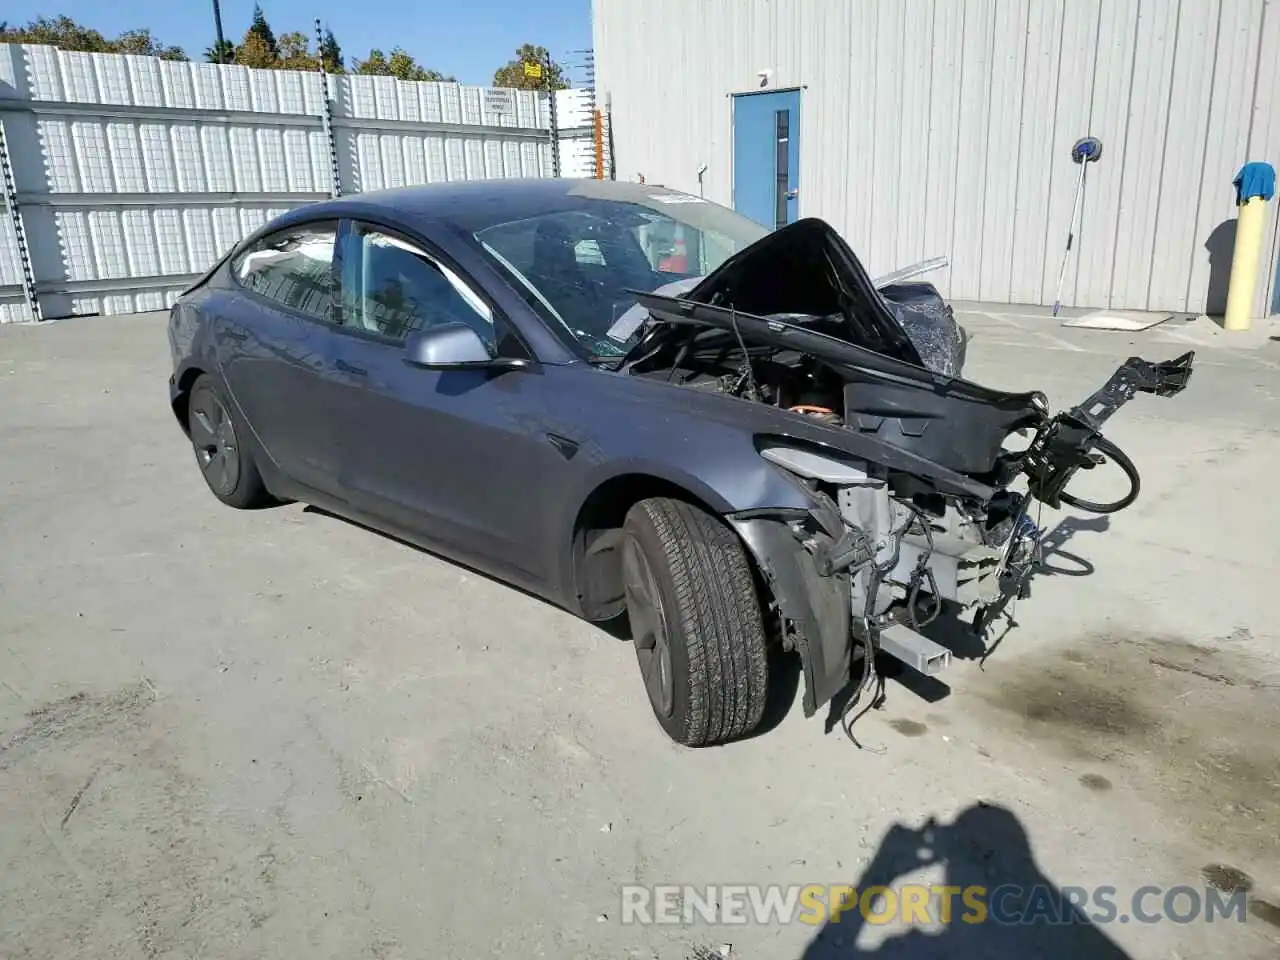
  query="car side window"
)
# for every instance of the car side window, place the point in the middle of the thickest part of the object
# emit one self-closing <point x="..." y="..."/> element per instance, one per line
<point x="293" y="267"/>
<point x="391" y="287"/>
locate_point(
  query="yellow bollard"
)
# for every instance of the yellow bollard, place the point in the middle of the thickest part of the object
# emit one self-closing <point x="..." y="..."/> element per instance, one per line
<point x="1244" y="264"/>
<point x="1255" y="185"/>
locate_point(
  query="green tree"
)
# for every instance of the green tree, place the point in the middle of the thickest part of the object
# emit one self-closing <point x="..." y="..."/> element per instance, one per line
<point x="374" y="65"/>
<point x="142" y="44"/>
<point x="254" y="52"/>
<point x="331" y="53"/>
<point x="225" y="54"/>
<point x="512" y="74"/>
<point x="262" y="30"/>
<point x="61" y="32"/>
<point x="66" y="34"/>
<point x="400" y="65"/>
<point x="295" y="52"/>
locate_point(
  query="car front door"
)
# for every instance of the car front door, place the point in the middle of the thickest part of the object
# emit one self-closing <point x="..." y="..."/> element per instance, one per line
<point x="453" y="457"/>
<point x="272" y="338"/>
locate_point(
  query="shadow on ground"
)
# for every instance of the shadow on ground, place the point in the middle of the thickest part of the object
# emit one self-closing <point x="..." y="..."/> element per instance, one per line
<point x="985" y="847"/>
<point x="784" y="667"/>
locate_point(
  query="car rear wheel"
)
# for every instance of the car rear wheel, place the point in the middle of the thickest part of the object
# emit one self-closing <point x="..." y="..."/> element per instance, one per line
<point x="225" y="461"/>
<point x="695" y="622"/>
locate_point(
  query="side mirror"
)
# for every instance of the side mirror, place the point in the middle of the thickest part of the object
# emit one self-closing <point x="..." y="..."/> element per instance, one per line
<point x="454" y="346"/>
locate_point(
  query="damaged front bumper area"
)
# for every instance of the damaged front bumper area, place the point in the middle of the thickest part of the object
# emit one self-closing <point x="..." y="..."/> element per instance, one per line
<point x="872" y="571"/>
<point x="814" y="604"/>
<point x="881" y="554"/>
<point x="919" y="504"/>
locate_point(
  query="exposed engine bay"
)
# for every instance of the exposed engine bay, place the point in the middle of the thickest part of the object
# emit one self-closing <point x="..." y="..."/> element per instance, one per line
<point x="786" y="379"/>
<point x="927" y="511"/>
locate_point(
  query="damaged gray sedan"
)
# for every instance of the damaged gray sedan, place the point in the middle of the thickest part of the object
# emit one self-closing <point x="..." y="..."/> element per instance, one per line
<point x="631" y="401"/>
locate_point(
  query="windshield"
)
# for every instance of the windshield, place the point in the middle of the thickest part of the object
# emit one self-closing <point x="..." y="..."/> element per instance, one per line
<point x="575" y="266"/>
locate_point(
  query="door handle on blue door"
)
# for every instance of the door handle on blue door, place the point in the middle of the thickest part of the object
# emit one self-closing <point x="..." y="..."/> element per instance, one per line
<point x="348" y="368"/>
<point x="237" y="335"/>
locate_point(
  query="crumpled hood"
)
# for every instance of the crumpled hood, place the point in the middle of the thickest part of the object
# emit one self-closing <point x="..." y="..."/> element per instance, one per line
<point x="806" y="271"/>
<point x="807" y="268"/>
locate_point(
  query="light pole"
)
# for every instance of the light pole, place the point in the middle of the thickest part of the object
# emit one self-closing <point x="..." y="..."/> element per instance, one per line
<point x="217" y="32"/>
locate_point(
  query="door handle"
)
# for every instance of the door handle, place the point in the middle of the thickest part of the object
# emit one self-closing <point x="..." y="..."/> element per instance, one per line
<point x="236" y="335"/>
<point x="348" y="368"/>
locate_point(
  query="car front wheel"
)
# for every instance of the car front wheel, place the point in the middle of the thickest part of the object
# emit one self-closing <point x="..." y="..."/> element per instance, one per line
<point x="695" y="622"/>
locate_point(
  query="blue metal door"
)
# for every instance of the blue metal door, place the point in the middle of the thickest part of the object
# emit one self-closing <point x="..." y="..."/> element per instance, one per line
<point x="766" y="156"/>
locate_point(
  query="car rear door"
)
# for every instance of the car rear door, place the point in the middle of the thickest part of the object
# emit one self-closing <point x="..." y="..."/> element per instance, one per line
<point x="449" y="456"/>
<point x="272" y="338"/>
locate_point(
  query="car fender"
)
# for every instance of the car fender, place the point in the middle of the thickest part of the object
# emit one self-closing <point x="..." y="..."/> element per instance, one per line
<point x="817" y="607"/>
<point x="708" y="447"/>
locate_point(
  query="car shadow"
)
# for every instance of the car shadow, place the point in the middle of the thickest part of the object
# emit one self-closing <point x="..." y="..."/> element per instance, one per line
<point x="784" y="666"/>
<point x="965" y="643"/>
<point x="985" y="847"/>
<point x="444" y="558"/>
<point x="784" y="684"/>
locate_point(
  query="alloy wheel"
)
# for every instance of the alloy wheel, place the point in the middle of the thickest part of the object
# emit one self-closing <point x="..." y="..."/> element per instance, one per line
<point x="648" y="627"/>
<point x="214" y="438"/>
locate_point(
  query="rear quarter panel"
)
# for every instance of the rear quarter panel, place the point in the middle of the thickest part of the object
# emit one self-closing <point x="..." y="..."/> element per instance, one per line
<point x="191" y="343"/>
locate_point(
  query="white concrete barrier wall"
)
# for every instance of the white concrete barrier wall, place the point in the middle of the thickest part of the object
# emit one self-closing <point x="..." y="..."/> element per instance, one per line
<point x="134" y="174"/>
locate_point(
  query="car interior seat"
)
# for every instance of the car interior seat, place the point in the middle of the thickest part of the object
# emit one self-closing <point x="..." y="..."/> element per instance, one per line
<point x="556" y="267"/>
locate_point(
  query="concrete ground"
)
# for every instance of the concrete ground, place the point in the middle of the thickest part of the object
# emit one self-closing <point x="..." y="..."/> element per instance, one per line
<point x="276" y="734"/>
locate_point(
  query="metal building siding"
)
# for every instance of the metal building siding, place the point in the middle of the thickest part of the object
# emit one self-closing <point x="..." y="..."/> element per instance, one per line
<point x="944" y="126"/>
<point x="944" y="141"/>
<point x="1040" y="76"/>
<point x="1144" y="145"/>
<point x="1234" y="68"/>
<point x="1265" y="132"/>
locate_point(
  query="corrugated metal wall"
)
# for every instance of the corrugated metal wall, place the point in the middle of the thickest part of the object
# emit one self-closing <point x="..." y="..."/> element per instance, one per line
<point x="945" y="126"/>
<point x="575" y="114"/>
<point x="135" y="174"/>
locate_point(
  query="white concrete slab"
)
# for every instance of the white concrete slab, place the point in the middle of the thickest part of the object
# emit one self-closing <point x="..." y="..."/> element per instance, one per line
<point x="236" y="735"/>
<point x="1129" y="321"/>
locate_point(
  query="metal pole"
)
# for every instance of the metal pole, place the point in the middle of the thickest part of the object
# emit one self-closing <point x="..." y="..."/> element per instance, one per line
<point x="597" y="143"/>
<point x="608" y="118"/>
<point x="1255" y="185"/>
<point x="217" y="32"/>
<point x="326" y="117"/>
<point x="15" y="216"/>
<point x="555" y="123"/>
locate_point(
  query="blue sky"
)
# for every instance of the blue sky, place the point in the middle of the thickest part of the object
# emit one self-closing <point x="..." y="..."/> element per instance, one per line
<point x="468" y="39"/>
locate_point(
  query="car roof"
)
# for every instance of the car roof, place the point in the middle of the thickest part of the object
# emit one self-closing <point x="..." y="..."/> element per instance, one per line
<point x="472" y="205"/>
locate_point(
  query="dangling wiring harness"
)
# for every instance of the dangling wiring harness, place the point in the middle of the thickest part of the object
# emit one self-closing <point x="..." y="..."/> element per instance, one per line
<point x="1063" y="445"/>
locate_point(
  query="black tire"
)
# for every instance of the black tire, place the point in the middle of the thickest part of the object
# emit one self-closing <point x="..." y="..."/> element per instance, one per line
<point x="690" y="591"/>
<point x="218" y="438"/>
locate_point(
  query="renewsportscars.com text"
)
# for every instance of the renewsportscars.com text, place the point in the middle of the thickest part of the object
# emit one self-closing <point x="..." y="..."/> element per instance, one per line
<point x="927" y="905"/>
